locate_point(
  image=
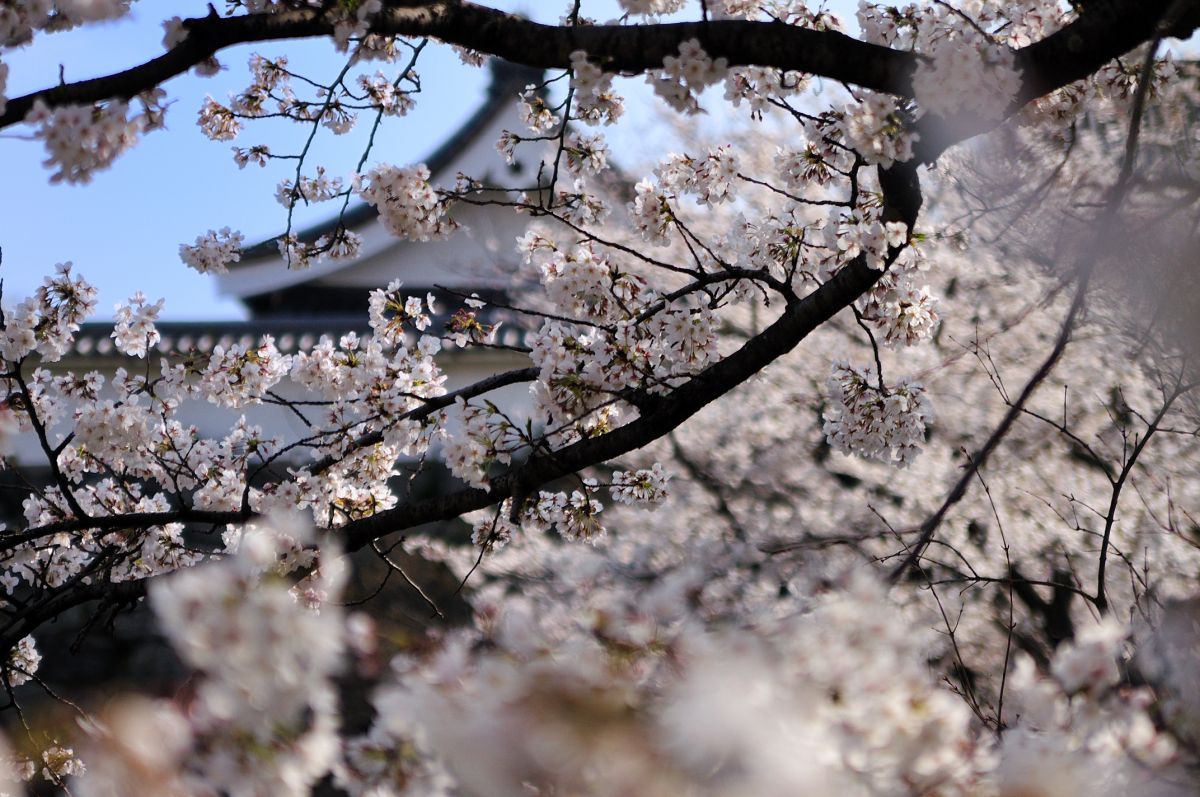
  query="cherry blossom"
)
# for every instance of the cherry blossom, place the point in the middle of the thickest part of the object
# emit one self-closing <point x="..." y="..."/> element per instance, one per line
<point x="408" y="206"/>
<point x="700" y="515"/>
<point x="213" y="251"/>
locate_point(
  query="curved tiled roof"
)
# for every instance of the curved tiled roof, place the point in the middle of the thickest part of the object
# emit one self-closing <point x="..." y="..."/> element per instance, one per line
<point x="94" y="340"/>
<point x="508" y="80"/>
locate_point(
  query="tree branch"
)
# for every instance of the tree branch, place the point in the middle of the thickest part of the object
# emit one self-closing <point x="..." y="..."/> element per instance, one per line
<point x="902" y="202"/>
<point x="1107" y="29"/>
<point x="619" y="48"/>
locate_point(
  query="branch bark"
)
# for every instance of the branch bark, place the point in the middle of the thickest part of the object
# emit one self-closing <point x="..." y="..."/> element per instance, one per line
<point x="1107" y="29"/>
<point x="620" y="48"/>
<point x="902" y="202"/>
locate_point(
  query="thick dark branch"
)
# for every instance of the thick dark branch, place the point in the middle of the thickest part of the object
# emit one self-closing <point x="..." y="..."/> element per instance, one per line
<point x="902" y="202"/>
<point x="620" y="48"/>
<point x="63" y="600"/>
<point x="1107" y="29"/>
<point x="797" y="321"/>
<point x="132" y="520"/>
<point x="432" y="405"/>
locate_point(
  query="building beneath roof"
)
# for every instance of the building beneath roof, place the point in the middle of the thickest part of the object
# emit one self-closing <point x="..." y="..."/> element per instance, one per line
<point x="330" y="298"/>
<point x="297" y="308"/>
<point x="478" y="258"/>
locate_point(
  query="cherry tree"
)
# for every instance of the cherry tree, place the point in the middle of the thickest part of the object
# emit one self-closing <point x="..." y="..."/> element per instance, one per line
<point x="851" y="431"/>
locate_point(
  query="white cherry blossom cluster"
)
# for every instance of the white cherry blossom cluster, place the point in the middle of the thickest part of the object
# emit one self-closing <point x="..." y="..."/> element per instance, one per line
<point x="157" y="550"/>
<point x="297" y="254"/>
<point x="60" y="763"/>
<point x="923" y="27"/>
<point x="134" y="332"/>
<point x="566" y="394"/>
<point x="258" y="154"/>
<point x="19" y="21"/>
<point x="634" y="689"/>
<point x="310" y="189"/>
<point x="384" y="95"/>
<point x="865" y="235"/>
<point x="651" y="212"/>
<point x="468" y="56"/>
<point x="218" y="122"/>
<point x="175" y="34"/>
<point x="712" y="179"/>
<point x="685" y="75"/>
<point x="1078" y="732"/>
<point x="812" y="164"/>
<point x="371" y="383"/>
<point x="409" y="207"/>
<point x="23" y="662"/>
<point x="506" y="146"/>
<point x="341" y="244"/>
<point x="645" y="701"/>
<point x="581" y="371"/>
<point x="386" y="761"/>
<point x="536" y="112"/>
<point x="464" y="327"/>
<point x="874" y="128"/>
<point x="83" y="139"/>
<point x="586" y="154"/>
<point x="357" y="487"/>
<point x="628" y="337"/>
<point x="581" y="206"/>
<point x="1090" y="660"/>
<point x="737" y="8"/>
<point x="47" y="321"/>
<point x="242" y="374"/>
<point x="493" y="529"/>
<point x="389" y="311"/>
<point x="574" y="517"/>
<point x="595" y="100"/>
<point x="786" y="242"/>
<point x="214" y="251"/>
<point x="270" y="80"/>
<point x="270" y="93"/>
<point x="137" y="745"/>
<point x="874" y="421"/>
<point x="476" y="439"/>
<point x="584" y="283"/>
<point x="266" y="661"/>
<point x="107" y="429"/>
<point x="966" y="74"/>
<point x="228" y="460"/>
<point x="792" y="12"/>
<point x="901" y="312"/>
<point x="690" y="338"/>
<point x="759" y="86"/>
<point x="355" y="22"/>
<point x="640" y="486"/>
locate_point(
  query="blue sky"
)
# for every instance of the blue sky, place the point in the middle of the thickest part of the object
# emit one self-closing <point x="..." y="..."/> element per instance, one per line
<point x="123" y="230"/>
